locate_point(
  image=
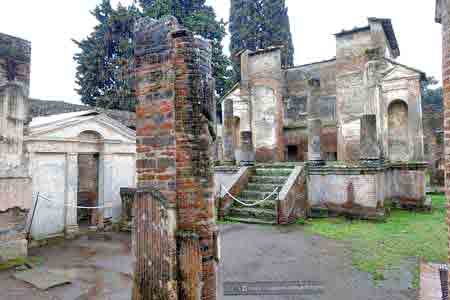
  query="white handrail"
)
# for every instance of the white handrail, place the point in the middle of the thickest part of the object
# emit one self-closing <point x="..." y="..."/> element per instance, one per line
<point x="253" y="204"/>
<point x="73" y="206"/>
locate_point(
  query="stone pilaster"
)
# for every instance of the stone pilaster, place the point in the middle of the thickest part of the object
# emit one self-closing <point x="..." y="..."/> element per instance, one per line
<point x="314" y="146"/>
<point x="247" y="149"/>
<point x="105" y="190"/>
<point x="71" y="222"/>
<point x="228" y="127"/>
<point x="370" y="148"/>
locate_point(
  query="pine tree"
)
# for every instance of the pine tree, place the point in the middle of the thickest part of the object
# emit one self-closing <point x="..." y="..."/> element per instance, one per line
<point x="103" y="71"/>
<point x="256" y="24"/>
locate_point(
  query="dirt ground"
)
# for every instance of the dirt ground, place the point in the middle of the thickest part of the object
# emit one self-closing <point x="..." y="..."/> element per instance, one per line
<point x="101" y="268"/>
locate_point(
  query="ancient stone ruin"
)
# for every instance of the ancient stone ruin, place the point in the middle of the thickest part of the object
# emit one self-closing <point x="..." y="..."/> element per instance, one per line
<point x="351" y="121"/>
<point x="175" y="233"/>
<point x="15" y="181"/>
<point x="442" y="17"/>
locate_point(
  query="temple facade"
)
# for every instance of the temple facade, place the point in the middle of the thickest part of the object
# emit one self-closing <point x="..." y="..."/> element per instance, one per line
<point x="354" y="122"/>
<point x="271" y="104"/>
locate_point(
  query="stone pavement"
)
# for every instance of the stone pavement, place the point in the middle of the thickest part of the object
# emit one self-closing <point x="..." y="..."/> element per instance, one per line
<point x="430" y="283"/>
<point x="102" y="268"/>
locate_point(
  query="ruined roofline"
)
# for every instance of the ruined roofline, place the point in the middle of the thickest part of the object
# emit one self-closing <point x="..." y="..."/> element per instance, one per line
<point x="390" y="34"/>
<point x="236" y="86"/>
<point x="15" y="37"/>
<point x="354" y="30"/>
<point x="258" y="51"/>
<point x="387" y="28"/>
<point x="311" y="64"/>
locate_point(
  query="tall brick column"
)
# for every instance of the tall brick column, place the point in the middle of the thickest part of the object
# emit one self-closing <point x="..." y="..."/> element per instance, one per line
<point x="442" y="16"/>
<point x="175" y="233"/>
<point x="228" y="127"/>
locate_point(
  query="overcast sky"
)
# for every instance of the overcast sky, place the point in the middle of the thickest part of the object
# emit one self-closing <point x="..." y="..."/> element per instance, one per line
<point x="51" y="24"/>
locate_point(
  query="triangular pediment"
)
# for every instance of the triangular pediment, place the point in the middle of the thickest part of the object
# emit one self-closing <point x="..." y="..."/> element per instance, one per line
<point x="397" y="72"/>
<point x="60" y="127"/>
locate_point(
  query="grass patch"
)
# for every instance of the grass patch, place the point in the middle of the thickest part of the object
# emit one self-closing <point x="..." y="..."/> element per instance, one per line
<point x="377" y="247"/>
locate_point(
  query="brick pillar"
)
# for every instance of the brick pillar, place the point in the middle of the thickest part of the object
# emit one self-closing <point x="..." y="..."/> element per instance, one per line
<point x="369" y="149"/>
<point x="442" y="16"/>
<point x="228" y="127"/>
<point x="314" y="147"/>
<point x="176" y="108"/>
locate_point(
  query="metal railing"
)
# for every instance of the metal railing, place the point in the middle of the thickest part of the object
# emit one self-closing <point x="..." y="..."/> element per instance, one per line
<point x="242" y="202"/>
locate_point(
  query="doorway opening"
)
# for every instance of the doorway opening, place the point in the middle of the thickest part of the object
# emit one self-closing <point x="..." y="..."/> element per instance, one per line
<point x="292" y="153"/>
<point x="88" y="172"/>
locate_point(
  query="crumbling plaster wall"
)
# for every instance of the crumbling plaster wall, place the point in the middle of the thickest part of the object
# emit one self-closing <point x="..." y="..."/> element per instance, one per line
<point x="298" y="97"/>
<point x="351" y="60"/>
<point x="329" y="187"/>
<point x="264" y="89"/>
<point x="407" y="89"/>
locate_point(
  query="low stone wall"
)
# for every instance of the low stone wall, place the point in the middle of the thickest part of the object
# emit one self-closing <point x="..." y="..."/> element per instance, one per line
<point x="406" y="183"/>
<point x="126" y="220"/>
<point x="236" y="183"/>
<point x="13" y="242"/>
<point x="15" y="192"/>
<point x="362" y="190"/>
<point x="350" y="190"/>
<point x="292" y="202"/>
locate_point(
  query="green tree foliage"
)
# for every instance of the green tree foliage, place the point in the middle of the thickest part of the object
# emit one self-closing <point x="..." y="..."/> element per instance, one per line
<point x="103" y="71"/>
<point x="430" y="95"/>
<point x="200" y="18"/>
<point x="103" y="61"/>
<point x="258" y="24"/>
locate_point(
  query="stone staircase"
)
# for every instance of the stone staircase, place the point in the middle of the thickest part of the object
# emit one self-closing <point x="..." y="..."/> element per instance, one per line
<point x="261" y="184"/>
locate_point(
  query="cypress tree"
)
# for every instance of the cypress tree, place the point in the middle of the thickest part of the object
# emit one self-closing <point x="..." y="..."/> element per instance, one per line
<point x="276" y="29"/>
<point x="257" y="24"/>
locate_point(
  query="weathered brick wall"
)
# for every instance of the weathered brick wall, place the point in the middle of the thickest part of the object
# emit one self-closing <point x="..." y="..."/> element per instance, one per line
<point x="442" y="16"/>
<point x="298" y="98"/>
<point x="174" y="87"/>
<point x="236" y="184"/>
<point x="292" y="203"/>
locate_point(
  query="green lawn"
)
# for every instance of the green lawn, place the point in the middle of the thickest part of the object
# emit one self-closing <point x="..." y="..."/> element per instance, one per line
<point x="380" y="246"/>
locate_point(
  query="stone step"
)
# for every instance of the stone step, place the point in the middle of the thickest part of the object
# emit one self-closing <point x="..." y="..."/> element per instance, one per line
<point x="268" y="179"/>
<point x="249" y="221"/>
<point x="269" y="204"/>
<point x="273" y="172"/>
<point x="253" y="213"/>
<point x="263" y="187"/>
<point x="249" y="194"/>
<point x="277" y="165"/>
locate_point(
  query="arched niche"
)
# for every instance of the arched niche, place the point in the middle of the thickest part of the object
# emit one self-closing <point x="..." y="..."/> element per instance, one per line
<point x="398" y="138"/>
<point x="90" y="136"/>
